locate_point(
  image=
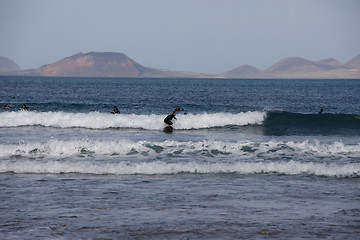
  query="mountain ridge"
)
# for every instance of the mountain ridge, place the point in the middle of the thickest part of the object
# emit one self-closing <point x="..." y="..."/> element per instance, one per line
<point x="296" y="67"/>
<point x="115" y="64"/>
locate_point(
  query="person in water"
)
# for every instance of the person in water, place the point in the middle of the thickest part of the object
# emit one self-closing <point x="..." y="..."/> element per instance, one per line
<point x="168" y="119"/>
<point x="24" y="107"/>
<point x="7" y="106"/>
<point x="321" y="111"/>
<point x="115" y="111"/>
<point x="177" y="109"/>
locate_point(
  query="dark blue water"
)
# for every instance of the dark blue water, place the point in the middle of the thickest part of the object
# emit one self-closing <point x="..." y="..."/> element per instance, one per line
<point x="196" y="95"/>
<point x="247" y="159"/>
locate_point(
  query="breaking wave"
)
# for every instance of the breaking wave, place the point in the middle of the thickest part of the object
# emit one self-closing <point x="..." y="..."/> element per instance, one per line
<point x="172" y="157"/>
<point x="96" y="120"/>
<point x="158" y="167"/>
<point x="271" y="123"/>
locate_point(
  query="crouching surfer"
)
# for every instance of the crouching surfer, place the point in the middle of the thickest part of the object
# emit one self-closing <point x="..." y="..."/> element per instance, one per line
<point x="168" y="119"/>
<point x="115" y="111"/>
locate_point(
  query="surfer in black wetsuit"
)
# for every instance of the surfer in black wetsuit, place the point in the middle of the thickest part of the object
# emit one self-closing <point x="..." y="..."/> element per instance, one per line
<point x="168" y="119"/>
<point x="115" y="111"/>
<point x="321" y="111"/>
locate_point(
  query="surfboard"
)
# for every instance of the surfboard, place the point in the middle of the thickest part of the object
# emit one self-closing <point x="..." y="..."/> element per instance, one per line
<point x="168" y="129"/>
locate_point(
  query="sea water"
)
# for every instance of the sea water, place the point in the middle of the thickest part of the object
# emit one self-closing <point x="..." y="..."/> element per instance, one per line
<point x="247" y="159"/>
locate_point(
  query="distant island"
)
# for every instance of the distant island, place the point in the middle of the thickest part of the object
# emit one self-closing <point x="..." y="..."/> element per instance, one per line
<point x="8" y="66"/>
<point x="296" y="67"/>
<point x="113" y="64"/>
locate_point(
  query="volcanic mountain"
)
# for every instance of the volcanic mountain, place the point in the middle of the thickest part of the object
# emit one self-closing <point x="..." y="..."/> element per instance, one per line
<point x="112" y="64"/>
<point x="244" y="70"/>
<point x="93" y="64"/>
<point x="8" y="66"/>
<point x="103" y="64"/>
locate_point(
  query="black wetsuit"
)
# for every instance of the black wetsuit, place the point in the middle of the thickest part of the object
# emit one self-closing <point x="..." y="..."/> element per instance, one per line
<point x="115" y="111"/>
<point x="168" y="119"/>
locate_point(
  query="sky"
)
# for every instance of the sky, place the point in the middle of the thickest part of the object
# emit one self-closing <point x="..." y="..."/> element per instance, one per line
<point x="205" y="36"/>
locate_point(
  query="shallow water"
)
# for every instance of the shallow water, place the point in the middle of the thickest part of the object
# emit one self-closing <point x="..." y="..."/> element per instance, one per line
<point x="214" y="206"/>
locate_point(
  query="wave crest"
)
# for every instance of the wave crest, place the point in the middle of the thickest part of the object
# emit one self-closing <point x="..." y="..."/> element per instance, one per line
<point x="173" y="157"/>
<point x="96" y="120"/>
<point x="159" y="167"/>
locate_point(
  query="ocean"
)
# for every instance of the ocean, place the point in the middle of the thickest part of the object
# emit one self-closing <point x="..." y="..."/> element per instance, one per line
<point x="246" y="159"/>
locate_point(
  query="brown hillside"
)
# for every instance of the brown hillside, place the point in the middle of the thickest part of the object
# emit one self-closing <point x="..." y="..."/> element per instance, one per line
<point x="93" y="64"/>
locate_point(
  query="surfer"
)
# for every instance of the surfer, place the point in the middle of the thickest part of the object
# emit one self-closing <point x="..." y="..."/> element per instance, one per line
<point x="321" y="111"/>
<point x="177" y="109"/>
<point x="24" y="107"/>
<point x="115" y="111"/>
<point x="168" y="119"/>
<point x="7" y="106"/>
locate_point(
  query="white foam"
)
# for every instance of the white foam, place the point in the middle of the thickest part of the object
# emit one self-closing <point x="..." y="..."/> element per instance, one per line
<point x="160" y="167"/>
<point x="247" y="149"/>
<point x="96" y="120"/>
<point x="171" y="157"/>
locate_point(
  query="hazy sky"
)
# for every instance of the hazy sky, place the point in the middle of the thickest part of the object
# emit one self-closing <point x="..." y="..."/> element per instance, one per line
<point x="208" y="36"/>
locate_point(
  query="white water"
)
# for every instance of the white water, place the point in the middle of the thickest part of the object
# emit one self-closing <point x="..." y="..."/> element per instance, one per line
<point x="59" y="148"/>
<point x="159" y="167"/>
<point x="96" y="120"/>
<point x="170" y="157"/>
